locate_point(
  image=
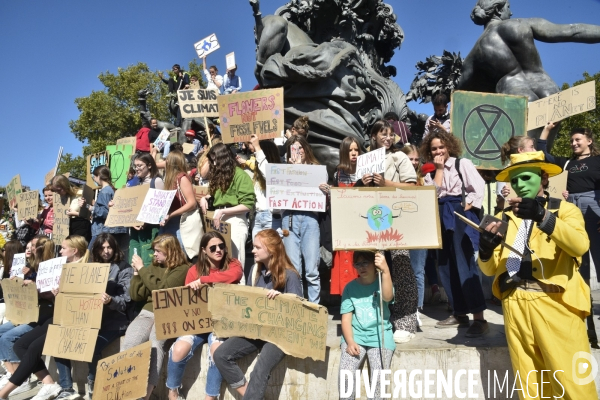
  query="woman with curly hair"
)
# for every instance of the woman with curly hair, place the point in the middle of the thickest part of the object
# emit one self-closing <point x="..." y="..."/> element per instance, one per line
<point x="168" y="269"/>
<point x="232" y="194"/>
<point x="460" y="189"/>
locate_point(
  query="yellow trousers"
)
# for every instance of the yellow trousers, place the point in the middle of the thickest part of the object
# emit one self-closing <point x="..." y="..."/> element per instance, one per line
<point x="542" y="334"/>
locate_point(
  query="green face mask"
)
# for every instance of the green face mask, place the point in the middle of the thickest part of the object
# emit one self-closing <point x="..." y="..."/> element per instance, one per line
<point x="526" y="182"/>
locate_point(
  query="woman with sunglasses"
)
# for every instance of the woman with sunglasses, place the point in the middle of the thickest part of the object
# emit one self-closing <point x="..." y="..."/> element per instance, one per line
<point x="215" y="265"/>
<point x="273" y="271"/>
<point x="168" y="269"/>
<point x="361" y="318"/>
<point x="399" y="173"/>
<point x="232" y="194"/>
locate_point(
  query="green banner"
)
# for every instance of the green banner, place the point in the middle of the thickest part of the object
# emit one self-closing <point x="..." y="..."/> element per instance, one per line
<point x="120" y="159"/>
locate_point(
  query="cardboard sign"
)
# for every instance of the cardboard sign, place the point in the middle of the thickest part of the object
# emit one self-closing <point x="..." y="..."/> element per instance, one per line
<point x="79" y="310"/>
<point x="556" y="186"/>
<point x="181" y="311"/>
<point x="484" y="122"/>
<point x="127" y="205"/>
<point x="296" y="326"/>
<point x="89" y="195"/>
<point x="296" y="187"/>
<point x="21" y="301"/>
<point x="119" y="162"/>
<point x="13" y="189"/>
<point x="124" y="376"/>
<point x="162" y="139"/>
<point x="224" y="230"/>
<point x="70" y="342"/>
<point x="561" y="105"/>
<point x="132" y="140"/>
<point x="16" y="269"/>
<point x="156" y="205"/>
<point x="385" y="218"/>
<point x="196" y="103"/>
<point x="48" y="275"/>
<point x="259" y="112"/>
<point x="230" y="61"/>
<point x="93" y="161"/>
<point x="49" y="176"/>
<point x="60" y="229"/>
<point x="203" y="190"/>
<point x="206" y="46"/>
<point x="28" y="203"/>
<point x="88" y="278"/>
<point x="188" y="148"/>
<point x="372" y="162"/>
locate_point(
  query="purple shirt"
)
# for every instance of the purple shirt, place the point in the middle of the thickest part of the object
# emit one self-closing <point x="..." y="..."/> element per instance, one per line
<point x="451" y="185"/>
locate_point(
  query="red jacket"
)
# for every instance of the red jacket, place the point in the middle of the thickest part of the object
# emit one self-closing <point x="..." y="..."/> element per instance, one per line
<point x="142" y="143"/>
<point x="232" y="275"/>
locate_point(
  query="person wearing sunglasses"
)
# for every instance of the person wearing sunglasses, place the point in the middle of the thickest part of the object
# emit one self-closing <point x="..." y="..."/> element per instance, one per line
<point x="215" y="265"/>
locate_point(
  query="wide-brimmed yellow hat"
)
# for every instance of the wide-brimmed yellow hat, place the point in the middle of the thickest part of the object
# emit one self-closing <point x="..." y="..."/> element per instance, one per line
<point x="531" y="159"/>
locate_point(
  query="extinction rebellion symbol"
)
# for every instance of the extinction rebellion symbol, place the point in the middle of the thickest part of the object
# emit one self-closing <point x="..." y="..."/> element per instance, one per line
<point x="485" y="129"/>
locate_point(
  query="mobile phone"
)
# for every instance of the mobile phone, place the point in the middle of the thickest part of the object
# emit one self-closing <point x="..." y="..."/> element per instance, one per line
<point x="488" y="219"/>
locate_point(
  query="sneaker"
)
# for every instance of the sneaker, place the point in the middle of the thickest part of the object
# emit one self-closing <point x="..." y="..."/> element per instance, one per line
<point x="70" y="394"/>
<point x="402" y="336"/>
<point x="477" y="329"/>
<point x="419" y="322"/>
<point x="90" y="390"/>
<point x="25" y="387"/>
<point x="48" y="392"/>
<point x="4" y="379"/>
<point x="454" y="321"/>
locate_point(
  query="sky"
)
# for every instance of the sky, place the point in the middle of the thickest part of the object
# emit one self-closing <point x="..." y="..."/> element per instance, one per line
<point x="53" y="51"/>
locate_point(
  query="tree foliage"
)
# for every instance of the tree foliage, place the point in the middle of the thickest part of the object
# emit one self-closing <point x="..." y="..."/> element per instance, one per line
<point x="113" y="112"/>
<point x="589" y="119"/>
<point x="74" y="165"/>
<point x="437" y="74"/>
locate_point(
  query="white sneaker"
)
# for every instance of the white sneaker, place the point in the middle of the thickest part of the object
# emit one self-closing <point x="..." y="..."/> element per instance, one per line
<point x="419" y="322"/>
<point x="4" y="379"/>
<point x="25" y="387"/>
<point x="401" y="336"/>
<point x="48" y="392"/>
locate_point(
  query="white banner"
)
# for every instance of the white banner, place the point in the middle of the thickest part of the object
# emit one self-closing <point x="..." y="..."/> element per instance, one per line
<point x="19" y="261"/>
<point x="207" y="45"/>
<point x="372" y="162"/>
<point x="156" y="206"/>
<point x="296" y="187"/>
<point x="48" y="275"/>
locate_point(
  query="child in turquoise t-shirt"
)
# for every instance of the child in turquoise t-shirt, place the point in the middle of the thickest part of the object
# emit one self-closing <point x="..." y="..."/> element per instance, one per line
<point x="361" y="319"/>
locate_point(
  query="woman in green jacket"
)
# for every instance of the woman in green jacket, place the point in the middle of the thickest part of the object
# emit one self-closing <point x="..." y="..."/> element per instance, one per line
<point x="168" y="269"/>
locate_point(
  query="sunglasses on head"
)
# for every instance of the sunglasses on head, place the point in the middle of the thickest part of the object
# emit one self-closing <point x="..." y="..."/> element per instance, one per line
<point x="213" y="248"/>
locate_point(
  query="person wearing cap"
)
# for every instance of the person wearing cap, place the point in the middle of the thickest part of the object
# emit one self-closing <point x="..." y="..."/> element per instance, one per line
<point x="190" y="137"/>
<point x="544" y="297"/>
<point x="231" y="82"/>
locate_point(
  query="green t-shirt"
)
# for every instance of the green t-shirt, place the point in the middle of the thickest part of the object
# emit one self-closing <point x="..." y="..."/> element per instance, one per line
<point x="359" y="300"/>
<point x="241" y="191"/>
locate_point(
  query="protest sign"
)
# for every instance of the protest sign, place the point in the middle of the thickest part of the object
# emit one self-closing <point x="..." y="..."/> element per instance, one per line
<point x="77" y="311"/>
<point x="89" y="195"/>
<point x="119" y="162"/>
<point x="93" y="161"/>
<point x="60" y="229"/>
<point x="296" y="326"/>
<point x="188" y="148"/>
<point x="13" y="189"/>
<point x="372" y="162"/>
<point x="124" y="376"/>
<point x="16" y="269"/>
<point x="556" y="186"/>
<point x="385" y="218"/>
<point x="230" y="61"/>
<point x="21" y="301"/>
<point x="48" y="275"/>
<point x="207" y="45"/>
<point x="181" y="311"/>
<point x="258" y="112"/>
<point x="561" y="105"/>
<point x="296" y="186"/>
<point x="132" y="140"/>
<point x="49" y="176"/>
<point x="196" y="103"/>
<point x="27" y="204"/>
<point x="202" y="190"/>
<point x="224" y="229"/>
<point x="484" y="122"/>
<point x="127" y="205"/>
<point x="162" y="139"/>
<point x="156" y="206"/>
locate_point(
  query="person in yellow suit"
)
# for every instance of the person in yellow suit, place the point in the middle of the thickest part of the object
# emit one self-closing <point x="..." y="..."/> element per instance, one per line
<point x="544" y="298"/>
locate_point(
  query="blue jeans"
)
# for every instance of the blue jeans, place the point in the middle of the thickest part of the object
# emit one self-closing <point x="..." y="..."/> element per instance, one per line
<point x="172" y="227"/>
<point x="175" y="370"/>
<point x="9" y="334"/>
<point x="64" y="366"/>
<point x="262" y="220"/>
<point x="303" y="242"/>
<point x="417" y="262"/>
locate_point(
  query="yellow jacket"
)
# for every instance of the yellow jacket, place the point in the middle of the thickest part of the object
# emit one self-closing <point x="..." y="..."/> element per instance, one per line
<point x="557" y="254"/>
